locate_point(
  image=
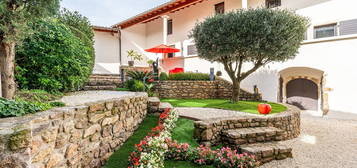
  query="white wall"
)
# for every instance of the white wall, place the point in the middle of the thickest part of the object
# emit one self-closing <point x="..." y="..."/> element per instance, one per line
<point x="106" y="53"/>
<point x="134" y="38"/>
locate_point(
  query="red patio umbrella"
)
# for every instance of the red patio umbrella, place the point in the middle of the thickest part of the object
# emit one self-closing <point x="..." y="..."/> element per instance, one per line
<point x="163" y="49"/>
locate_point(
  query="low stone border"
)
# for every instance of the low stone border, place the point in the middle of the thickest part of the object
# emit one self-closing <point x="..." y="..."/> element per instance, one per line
<point x="78" y="136"/>
<point x="218" y="89"/>
<point x="210" y="131"/>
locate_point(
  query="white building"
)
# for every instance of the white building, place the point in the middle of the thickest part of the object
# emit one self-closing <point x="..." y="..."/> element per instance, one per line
<point x="321" y="77"/>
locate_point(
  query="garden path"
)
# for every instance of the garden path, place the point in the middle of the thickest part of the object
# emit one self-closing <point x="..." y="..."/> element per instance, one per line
<point x="197" y="113"/>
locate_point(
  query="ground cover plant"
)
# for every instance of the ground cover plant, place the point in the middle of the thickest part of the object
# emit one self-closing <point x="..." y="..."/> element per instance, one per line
<point x="28" y="102"/>
<point x="242" y="106"/>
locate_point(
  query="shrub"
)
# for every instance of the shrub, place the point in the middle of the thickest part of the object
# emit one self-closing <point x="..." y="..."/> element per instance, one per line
<point x="135" y="85"/>
<point x="163" y="76"/>
<point x="139" y="75"/>
<point x="53" y="59"/>
<point x="189" y="76"/>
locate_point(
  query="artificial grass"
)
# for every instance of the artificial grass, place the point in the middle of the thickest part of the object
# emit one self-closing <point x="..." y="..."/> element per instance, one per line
<point x="242" y="106"/>
<point x="120" y="157"/>
<point x="183" y="133"/>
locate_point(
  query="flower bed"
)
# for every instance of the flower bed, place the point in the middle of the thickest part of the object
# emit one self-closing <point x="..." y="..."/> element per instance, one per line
<point x="158" y="146"/>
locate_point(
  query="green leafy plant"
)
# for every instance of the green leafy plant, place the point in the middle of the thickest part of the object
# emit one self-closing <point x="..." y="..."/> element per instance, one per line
<point x="163" y="76"/>
<point x="256" y="37"/>
<point x="135" y="85"/>
<point x="12" y="108"/>
<point x="189" y="76"/>
<point x="53" y="59"/>
<point x="139" y="75"/>
<point x="149" y="88"/>
<point x="135" y="56"/>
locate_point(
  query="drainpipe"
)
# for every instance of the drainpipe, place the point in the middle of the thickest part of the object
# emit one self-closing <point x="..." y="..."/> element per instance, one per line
<point x="121" y="73"/>
<point x="119" y="36"/>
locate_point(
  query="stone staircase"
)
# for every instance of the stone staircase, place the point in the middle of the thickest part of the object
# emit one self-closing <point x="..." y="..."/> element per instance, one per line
<point x="263" y="142"/>
<point x="155" y="106"/>
<point x="103" y="82"/>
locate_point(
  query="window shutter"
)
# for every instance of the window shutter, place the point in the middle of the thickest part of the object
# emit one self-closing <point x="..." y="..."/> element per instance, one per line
<point x="348" y="27"/>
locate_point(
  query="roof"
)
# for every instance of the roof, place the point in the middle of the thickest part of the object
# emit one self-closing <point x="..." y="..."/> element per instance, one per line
<point x="157" y="12"/>
<point x="104" y="29"/>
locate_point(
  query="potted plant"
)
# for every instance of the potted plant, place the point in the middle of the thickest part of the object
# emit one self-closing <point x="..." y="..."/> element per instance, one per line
<point x="219" y="73"/>
<point x="135" y="56"/>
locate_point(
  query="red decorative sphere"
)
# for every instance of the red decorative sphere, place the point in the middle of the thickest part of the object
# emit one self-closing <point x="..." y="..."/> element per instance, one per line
<point x="264" y="108"/>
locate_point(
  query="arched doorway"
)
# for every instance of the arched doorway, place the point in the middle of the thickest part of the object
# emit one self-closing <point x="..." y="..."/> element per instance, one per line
<point x="303" y="87"/>
<point x="302" y="93"/>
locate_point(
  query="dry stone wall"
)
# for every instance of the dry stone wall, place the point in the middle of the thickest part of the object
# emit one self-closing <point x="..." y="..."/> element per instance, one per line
<point x="218" y="89"/>
<point x="212" y="131"/>
<point x="79" y="136"/>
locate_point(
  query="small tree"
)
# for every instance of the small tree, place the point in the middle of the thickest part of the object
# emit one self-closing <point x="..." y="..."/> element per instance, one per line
<point x="14" y="18"/>
<point x="254" y="37"/>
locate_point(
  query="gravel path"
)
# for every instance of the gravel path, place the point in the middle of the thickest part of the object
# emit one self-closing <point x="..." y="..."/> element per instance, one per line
<point x="324" y="142"/>
<point x="83" y="97"/>
<point x="196" y="113"/>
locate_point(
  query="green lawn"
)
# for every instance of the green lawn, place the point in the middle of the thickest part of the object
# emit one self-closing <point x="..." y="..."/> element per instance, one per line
<point x="243" y="106"/>
<point x="120" y="158"/>
<point x="183" y="133"/>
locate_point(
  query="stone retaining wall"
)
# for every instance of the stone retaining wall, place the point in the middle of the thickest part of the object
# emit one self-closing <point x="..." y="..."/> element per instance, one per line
<point x="218" y="89"/>
<point x="79" y="136"/>
<point x="210" y="131"/>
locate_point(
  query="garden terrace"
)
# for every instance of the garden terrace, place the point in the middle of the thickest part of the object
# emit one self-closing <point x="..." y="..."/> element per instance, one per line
<point x="84" y="133"/>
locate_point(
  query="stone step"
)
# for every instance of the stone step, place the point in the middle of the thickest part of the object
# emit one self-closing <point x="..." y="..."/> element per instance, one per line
<point x="252" y="135"/>
<point x="153" y="104"/>
<point x="100" y="87"/>
<point x="266" y="152"/>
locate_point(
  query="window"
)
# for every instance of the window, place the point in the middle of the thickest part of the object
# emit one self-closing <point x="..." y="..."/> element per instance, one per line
<point x="171" y="55"/>
<point x="305" y="36"/>
<point x="169" y="27"/>
<point x="348" y="27"/>
<point x="272" y="3"/>
<point x="219" y="8"/>
<point x="191" y="50"/>
<point x="325" y="31"/>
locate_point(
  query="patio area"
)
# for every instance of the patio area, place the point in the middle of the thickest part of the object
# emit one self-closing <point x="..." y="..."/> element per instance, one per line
<point x="324" y="142"/>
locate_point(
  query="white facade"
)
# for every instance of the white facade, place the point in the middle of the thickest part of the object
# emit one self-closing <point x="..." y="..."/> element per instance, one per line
<point x="106" y="48"/>
<point x="329" y="62"/>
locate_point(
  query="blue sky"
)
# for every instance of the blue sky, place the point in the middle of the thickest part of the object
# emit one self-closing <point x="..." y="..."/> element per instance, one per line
<point x="109" y="12"/>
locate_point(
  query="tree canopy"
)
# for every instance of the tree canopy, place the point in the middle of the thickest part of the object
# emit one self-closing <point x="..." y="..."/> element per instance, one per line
<point x="53" y="59"/>
<point x="16" y="14"/>
<point x="15" y="17"/>
<point x="255" y="36"/>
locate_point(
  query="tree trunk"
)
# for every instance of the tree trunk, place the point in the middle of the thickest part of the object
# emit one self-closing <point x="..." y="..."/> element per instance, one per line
<point x="7" y="69"/>
<point x="236" y="91"/>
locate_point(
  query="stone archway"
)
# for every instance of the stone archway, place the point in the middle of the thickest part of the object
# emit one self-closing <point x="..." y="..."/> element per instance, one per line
<point x="303" y="87"/>
<point x="302" y="93"/>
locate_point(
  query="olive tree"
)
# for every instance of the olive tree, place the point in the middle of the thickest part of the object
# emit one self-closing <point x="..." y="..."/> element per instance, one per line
<point x="14" y="18"/>
<point x="247" y="39"/>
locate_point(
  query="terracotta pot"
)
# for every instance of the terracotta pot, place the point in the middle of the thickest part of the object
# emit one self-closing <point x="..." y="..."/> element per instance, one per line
<point x="264" y="108"/>
<point x="131" y="63"/>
